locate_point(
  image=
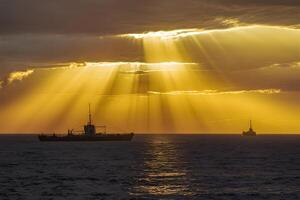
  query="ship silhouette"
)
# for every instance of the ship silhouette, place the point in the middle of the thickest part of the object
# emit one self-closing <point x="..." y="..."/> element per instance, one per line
<point x="250" y="132"/>
<point x="89" y="134"/>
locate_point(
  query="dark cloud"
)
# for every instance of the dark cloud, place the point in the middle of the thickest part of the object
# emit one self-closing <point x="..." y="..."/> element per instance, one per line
<point x="119" y="16"/>
<point x="259" y="2"/>
<point x="18" y="52"/>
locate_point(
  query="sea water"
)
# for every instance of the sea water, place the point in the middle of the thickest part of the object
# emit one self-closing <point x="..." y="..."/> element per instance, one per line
<point x="152" y="167"/>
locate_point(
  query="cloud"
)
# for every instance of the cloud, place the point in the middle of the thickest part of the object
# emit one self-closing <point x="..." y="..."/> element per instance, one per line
<point x="64" y="66"/>
<point x="271" y="44"/>
<point x="220" y="35"/>
<point x="63" y="31"/>
<point x="231" y="22"/>
<point x="164" y="34"/>
<point x="216" y="92"/>
<point x="105" y="17"/>
<point x="184" y="33"/>
<point x="19" y="75"/>
<point x="278" y="66"/>
<point x="17" y="52"/>
<point x="261" y="3"/>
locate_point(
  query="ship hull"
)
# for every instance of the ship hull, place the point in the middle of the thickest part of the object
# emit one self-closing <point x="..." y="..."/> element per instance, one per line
<point x="84" y="138"/>
<point x="251" y="134"/>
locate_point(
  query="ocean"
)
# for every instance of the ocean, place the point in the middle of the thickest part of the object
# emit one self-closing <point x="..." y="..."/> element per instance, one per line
<point x="152" y="167"/>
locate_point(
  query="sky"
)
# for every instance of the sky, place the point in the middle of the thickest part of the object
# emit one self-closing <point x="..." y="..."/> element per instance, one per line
<point x="159" y="66"/>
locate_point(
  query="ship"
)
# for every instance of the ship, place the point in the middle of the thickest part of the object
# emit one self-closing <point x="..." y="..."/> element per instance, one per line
<point x="89" y="134"/>
<point x="250" y="132"/>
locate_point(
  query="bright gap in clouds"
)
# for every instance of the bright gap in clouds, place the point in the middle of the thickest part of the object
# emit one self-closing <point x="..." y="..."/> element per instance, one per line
<point x="182" y="33"/>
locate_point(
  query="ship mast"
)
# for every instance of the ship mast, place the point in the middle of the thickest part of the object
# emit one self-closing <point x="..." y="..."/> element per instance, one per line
<point x="250" y="124"/>
<point x="90" y="116"/>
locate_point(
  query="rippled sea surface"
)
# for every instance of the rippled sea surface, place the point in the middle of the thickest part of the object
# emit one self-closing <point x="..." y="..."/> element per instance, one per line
<point x="152" y="167"/>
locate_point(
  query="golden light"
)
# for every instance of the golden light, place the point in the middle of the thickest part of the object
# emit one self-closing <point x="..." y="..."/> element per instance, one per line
<point x="169" y="92"/>
<point x="163" y="34"/>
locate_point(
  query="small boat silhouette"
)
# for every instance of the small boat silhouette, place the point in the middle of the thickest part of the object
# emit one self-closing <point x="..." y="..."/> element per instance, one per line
<point x="250" y="132"/>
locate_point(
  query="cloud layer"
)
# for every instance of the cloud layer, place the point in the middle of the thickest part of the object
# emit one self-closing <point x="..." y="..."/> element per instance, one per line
<point x="35" y="33"/>
<point x="119" y="16"/>
<point x="215" y="92"/>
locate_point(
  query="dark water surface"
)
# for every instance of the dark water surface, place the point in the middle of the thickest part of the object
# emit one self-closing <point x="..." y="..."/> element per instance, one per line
<point x="152" y="167"/>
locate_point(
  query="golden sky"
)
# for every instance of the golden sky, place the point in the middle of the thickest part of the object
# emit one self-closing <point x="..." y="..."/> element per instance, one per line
<point x="159" y="67"/>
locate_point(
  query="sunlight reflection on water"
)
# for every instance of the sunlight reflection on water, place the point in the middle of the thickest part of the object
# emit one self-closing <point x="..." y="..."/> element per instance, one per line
<point x="163" y="172"/>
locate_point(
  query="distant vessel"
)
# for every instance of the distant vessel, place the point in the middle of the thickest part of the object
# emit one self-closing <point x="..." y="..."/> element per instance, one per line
<point x="89" y="134"/>
<point x="250" y="132"/>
